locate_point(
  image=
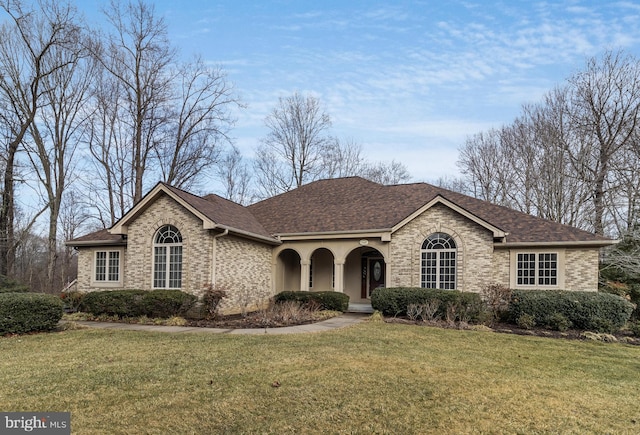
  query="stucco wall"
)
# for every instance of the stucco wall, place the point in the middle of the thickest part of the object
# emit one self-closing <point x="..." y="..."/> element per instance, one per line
<point x="474" y="249"/>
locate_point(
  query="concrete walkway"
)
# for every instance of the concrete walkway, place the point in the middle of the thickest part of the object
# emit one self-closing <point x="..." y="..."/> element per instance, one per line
<point x="342" y="321"/>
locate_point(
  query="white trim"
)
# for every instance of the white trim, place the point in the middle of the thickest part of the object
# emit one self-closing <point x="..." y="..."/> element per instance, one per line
<point x="560" y="268"/>
<point x="549" y="245"/>
<point x="497" y="232"/>
<point x="383" y="234"/>
<point x="106" y="282"/>
<point x="121" y="227"/>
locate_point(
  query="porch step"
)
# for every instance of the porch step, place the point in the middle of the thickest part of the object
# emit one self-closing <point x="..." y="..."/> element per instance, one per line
<point x="355" y="307"/>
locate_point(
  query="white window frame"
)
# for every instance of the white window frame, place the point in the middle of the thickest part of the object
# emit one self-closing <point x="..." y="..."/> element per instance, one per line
<point x="443" y="259"/>
<point x="170" y="249"/>
<point x="559" y="269"/>
<point x="107" y="282"/>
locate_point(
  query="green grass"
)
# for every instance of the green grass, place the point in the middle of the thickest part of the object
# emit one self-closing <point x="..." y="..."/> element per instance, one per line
<point x="370" y="378"/>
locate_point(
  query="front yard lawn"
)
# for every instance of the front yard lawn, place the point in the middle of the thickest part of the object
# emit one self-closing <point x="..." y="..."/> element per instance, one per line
<point x="370" y="378"/>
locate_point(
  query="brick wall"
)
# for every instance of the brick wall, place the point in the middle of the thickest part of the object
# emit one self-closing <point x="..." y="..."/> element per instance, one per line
<point x="243" y="267"/>
<point x="581" y="269"/>
<point x="474" y="249"/>
<point x="501" y="259"/>
<point x="196" y="246"/>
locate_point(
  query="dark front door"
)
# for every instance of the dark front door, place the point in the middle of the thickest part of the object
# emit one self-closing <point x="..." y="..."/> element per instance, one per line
<point x="376" y="274"/>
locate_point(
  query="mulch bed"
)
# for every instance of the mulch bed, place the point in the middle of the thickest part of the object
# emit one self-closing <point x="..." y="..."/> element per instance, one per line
<point x="506" y="328"/>
<point x="251" y="320"/>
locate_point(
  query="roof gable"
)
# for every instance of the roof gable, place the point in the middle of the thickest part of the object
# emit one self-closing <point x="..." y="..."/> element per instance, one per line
<point x="439" y="199"/>
<point x="346" y="206"/>
<point x="353" y="204"/>
<point x="214" y="211"/>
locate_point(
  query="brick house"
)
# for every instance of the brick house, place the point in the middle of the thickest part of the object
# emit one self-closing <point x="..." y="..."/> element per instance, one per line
<point x="347" y="235"/>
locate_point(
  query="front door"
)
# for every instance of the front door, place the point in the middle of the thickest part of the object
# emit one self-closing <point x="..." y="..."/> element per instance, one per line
<point x="376" y="274"/>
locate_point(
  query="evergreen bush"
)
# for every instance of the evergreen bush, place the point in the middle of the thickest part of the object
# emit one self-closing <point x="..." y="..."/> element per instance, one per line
<point x="136" y="303"/>
<point x="590" y="311"/>
<point x="29" y="312"/>
<point x="394" y="301"/>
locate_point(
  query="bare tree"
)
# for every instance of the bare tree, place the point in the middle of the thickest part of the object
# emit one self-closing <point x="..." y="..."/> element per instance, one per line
<point x="73" y="220"/>
<point x="200" y="119"/>
<point x="605" y="108"/>
<point x="392" y="172"/>
<point x="479" y="160"/>
<point x="343" y="159"/>
<point x="234" y="175"/>
<point x="28" y="42"/>
<point x="139" y="56"/>
<point x="107" y="187"/>
<point x="292" y="152"/>
<point x="569" y="158"/>
<point x="55" y="135"/>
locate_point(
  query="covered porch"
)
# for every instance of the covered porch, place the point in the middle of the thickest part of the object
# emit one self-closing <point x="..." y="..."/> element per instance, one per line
<point x="355" y="268"/>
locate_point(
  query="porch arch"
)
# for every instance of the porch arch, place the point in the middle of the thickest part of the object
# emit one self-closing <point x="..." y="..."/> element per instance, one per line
<point x="322" y="270"/>
<point x="359" y="273"/>
<point x="288" y="271"/>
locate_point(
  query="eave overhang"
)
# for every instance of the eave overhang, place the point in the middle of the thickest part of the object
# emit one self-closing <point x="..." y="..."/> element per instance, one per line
<point x="567" y="244"/>
<point x="71" y="243"/>
<point x="439" y="199"/>
<point x="383" y="234"/>
<point x="121" y="227"/>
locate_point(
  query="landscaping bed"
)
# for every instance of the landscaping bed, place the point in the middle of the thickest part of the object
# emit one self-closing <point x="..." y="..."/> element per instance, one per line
<point x="622" y="336"/>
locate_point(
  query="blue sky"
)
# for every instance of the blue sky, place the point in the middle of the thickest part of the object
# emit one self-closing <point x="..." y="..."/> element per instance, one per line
<point x="409" y="80"/>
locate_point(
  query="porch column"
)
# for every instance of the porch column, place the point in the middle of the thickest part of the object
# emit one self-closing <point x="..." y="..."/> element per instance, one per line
<point x="339" y="278"/>
<point x="304" y="275"/>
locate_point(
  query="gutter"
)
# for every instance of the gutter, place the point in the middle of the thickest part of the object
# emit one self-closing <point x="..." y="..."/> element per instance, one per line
<point x="580" y="243"/>
<point x="122" y="242"/>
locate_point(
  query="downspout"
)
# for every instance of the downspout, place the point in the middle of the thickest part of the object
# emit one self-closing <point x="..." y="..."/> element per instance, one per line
<point x="213" y="255"/>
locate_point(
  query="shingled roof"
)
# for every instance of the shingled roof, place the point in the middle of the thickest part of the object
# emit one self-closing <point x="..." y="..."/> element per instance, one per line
<point x="215" y="211"/>
<point x="353" y="204"/>
<point x="223" y="212"/>
<point x="356" y="204"/>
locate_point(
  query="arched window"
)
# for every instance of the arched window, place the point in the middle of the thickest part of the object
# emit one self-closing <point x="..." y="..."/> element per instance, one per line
<point x="439" y="262"/>
<point x="167" y="258"/>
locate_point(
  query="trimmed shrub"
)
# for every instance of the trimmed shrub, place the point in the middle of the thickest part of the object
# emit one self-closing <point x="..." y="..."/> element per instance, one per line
<point x="166" y="303"/>
<point x="334" y="301"/>
<point x="136" y="303"/>
<point x="29" y="312"/>
<point x="122" y="303"/>
<point x="591" y="311"/>
<point x="634" y="327"/>
<point x="10" y="286"/>
<point x="526" y="321"/>
<point x="394" y="301"/>
<point x="558" y="322"/>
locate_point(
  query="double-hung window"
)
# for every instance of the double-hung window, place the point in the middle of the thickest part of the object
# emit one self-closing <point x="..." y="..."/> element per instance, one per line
<point x="107" y="267"/>
<point x="537" y="269"/>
